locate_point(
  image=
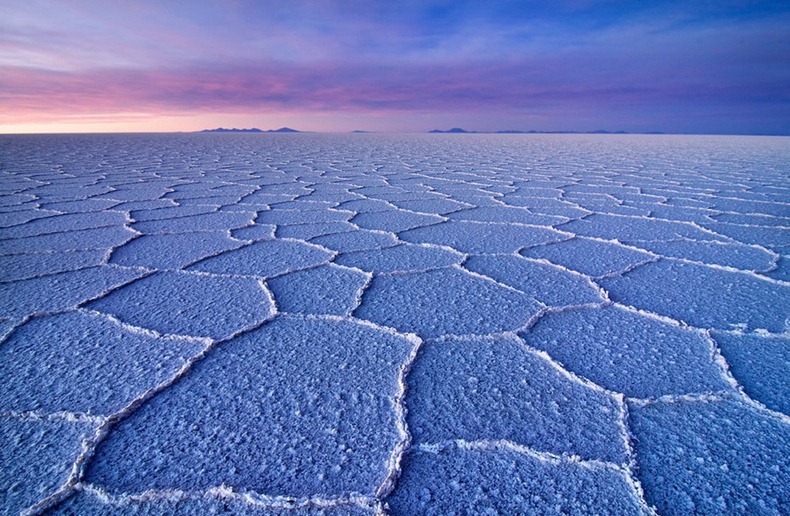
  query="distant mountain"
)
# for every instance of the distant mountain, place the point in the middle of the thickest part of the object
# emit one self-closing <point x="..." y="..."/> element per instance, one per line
<point x="234" y="130"/>
<point x="359" y="131"/>
<point x="454" y="130"/>
<point x="251" y="130"/>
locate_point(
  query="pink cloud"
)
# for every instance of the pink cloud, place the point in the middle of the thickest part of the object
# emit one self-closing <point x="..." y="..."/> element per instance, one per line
<point x="277" y="87"/>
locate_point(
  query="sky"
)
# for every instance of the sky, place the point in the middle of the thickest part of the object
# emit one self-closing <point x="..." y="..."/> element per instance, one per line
<point x="717" y="66"/>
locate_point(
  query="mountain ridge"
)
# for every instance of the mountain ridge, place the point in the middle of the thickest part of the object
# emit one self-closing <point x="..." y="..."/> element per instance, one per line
<point x="250" y="130"/>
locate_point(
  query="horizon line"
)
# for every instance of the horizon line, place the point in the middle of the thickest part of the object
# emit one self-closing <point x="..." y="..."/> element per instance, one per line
<point x="530" y="132"/>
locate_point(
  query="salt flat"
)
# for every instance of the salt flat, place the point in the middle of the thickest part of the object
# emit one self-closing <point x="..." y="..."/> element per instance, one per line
<point x="411" y="324"/>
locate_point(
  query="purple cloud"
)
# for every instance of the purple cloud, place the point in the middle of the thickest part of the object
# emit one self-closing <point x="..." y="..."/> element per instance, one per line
<point x="623" y="70"/>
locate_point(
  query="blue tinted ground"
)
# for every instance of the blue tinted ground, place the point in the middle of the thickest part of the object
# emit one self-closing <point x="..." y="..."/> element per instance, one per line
<point x="367" y="324"/>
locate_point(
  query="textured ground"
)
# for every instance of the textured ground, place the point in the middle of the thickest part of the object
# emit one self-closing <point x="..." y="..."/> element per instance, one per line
<point x="424" y="324"/>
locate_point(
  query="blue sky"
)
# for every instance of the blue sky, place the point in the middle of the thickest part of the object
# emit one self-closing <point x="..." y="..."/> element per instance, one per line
<point x="698" y="67"/>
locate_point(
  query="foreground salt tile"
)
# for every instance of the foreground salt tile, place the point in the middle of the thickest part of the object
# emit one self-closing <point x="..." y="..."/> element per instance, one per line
<point x="327" y="289"/>
<point x="506" y="214"/>
<point x="704" y="296"/>
<point x="306" y="204"/>
<point x="394" y="220"/>
<point x="234" y="190"/>
<point x="438" y="206"/>
<point x="405" y="195"/>
<point x="472" y="196"/>
<point x="192" y="504"/>
<point x="724" y="203"/>
<point x="5" y="326"/>
<point x="549" y="285"/>
<point x="204" y="222"/>
<point x="26" y="266"/>
<point x="627" y="352"/>
<point x="81" y="205"/>
<point x="768" y="236"/>
<point x="612" y="208"/>
<point x="66" y="222"/>
<point x="60" y="291"/>
<point x="782" y="271"/>
<point x="255" y="232"/>
<point x="212" y="201"/>
<point x="170" y="212"/>
<point x="546" y="206"/>
<point x="299" y="407"/>
<point x="689" y="202"/>
<point x="10" y="200"/>
<point x="400" y="258"/>
<point x="493" y="389"/>
<point x="142" y="193"/>
<point x="754" y="219"/>
<point x="83" y="363"/>
<point x="189" y="304"/>
<point x="265" y="258"/>
<point x="290" y="217"/>
<point x="172" y="251"/>
<point x="591" y="257"/>
<point x="366" y="205"/>
<point x="445" y="301"/>
<point x="680" y="213"/>
<point x="132" y="206"/>
<point x="601" y="186"/>
<point x="333" y="197"/>
<point x="81" y="240"/>
<point x="712" y="458"/>
<point x="37" y="457"/>
<point x="761" y="365"/>
<point x="360" y="240"/>
<point x="622" y="227"/>
<point x="380" y="190"/>
<point x="476" y="237"/>
<point x="309" y="231"/>
<point x="62" y="190"/>
<point x="290" y="186"/>
<point x="498" y="480"/>
<point x="728" y="254"/>
<point x="257" y="200"/>
<point x="22" y="217"/>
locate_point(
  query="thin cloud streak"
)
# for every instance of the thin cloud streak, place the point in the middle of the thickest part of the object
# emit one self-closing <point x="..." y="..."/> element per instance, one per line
<point x="517" y="85"/>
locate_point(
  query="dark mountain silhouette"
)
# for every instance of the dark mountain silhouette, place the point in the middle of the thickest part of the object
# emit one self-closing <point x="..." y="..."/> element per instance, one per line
<point x="454" y="130"/>
<point x="251" y="130"/>
<point x="234" y="130"/>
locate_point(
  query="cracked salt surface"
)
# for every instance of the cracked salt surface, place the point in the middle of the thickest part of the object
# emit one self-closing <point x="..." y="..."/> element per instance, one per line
<point x="318" y="418"/>
<point x="368" y="324"/>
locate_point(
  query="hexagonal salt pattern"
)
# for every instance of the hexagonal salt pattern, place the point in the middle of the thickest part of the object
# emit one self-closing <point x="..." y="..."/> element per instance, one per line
<point x="189" y="304"/>
<point x="37" y="456"/>
<point x="486" y="389"/>
<point x="414" y="324"/>
<point x="712" y="457"/>
<point x="445" y="302"/>
<point x="300" y="406"/>
<point x="502" y="479"/>
<point x="84" y="363"/>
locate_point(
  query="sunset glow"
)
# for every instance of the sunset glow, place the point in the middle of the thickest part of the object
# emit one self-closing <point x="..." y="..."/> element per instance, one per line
<point x="77" y="66"/>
